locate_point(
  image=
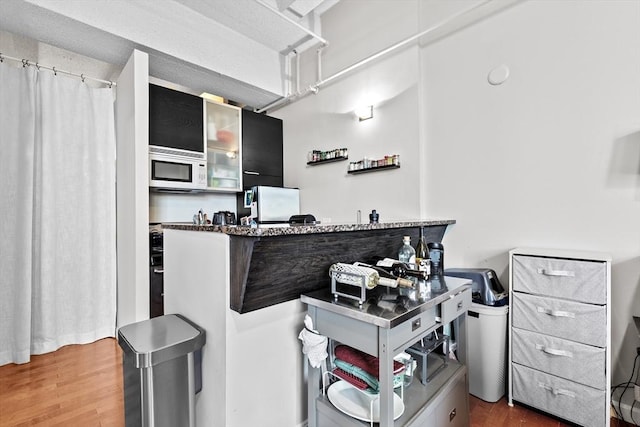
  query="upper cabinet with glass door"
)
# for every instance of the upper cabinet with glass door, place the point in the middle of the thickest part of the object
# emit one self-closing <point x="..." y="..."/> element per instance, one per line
<point x="224" y="157"/>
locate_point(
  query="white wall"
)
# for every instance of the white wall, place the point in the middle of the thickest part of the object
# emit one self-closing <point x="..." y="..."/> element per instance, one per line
<point x="33" y="50"/>
<point x="551" y="158"/>
<point x="132" y="189"/>
<point x="166" y="207"/>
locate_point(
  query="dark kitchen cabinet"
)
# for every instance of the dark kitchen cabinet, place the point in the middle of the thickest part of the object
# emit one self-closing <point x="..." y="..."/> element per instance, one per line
<point x="261" y="154"/>
<point x="175" y="121"/>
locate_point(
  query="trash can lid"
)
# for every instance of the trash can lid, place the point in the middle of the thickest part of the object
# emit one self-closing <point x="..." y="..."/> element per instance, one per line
<point x="161" y="338"/>
<point x="501" y="310"/>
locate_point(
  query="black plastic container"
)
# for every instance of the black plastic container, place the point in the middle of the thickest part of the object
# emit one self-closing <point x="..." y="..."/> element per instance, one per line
<point x="436" y="255"/>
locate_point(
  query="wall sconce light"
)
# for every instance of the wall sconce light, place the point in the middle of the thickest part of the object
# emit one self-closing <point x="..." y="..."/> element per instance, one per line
<point x="364" y="113"/>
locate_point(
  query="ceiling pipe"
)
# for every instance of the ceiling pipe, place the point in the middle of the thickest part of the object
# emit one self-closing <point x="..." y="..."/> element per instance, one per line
<point x="286" y="18"/>
<point x="287" y="72"/>
<point x="316" y="86"/>
<point x="319" y="62"/>
<point x="297" y="73"/>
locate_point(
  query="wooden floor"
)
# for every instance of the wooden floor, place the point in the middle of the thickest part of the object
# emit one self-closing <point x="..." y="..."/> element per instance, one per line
<point x="81" y="385"/>
<point x="78" y="385"/>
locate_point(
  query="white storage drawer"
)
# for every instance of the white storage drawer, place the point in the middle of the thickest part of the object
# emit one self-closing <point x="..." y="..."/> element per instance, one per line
<point x="574" y="321"/>
<point x="563" y="278"/>
<point x="581" y="363"/>
<point x="575" y="402"/>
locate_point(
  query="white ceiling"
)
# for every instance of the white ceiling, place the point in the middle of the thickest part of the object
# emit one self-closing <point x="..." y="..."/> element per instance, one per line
<point x="233" y="48"/>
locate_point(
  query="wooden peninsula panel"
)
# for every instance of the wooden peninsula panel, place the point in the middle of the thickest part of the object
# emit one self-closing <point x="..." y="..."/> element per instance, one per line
<point x="271" y="269"/>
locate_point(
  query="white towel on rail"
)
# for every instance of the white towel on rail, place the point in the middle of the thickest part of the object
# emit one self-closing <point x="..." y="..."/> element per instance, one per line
<point x="314" y="345"/>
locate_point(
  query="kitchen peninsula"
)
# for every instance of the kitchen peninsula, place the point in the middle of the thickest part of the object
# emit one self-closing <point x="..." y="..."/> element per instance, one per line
<point x="243" y="286"/>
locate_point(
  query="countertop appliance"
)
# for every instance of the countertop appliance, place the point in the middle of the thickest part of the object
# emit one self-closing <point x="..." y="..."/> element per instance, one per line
<point x="486" y="288"/>
<point x="274" y="204"/>
<point x="224" y="218"/>
<point x="177" y="173"/>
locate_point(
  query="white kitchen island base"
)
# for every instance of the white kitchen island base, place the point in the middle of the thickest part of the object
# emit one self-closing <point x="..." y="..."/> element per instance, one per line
<point x="252" y="362"/>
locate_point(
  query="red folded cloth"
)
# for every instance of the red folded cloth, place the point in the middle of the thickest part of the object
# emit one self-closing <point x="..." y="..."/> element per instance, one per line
<point x="366" y="362"/>
<point x="351" y="379"/>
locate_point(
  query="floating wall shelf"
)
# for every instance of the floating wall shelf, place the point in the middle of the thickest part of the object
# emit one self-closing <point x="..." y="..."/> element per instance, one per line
<point x="374" y="169"/>
<point x="335" y="159"/>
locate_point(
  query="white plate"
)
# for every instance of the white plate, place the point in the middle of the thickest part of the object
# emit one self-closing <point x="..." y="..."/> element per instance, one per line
<point x="357" y="404"/>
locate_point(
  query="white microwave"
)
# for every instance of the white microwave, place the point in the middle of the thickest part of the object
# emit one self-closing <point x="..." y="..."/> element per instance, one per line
<point x="177" y="173"/>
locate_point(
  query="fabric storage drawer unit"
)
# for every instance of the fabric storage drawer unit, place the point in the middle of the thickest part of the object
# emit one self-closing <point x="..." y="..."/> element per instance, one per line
<point x="574" y="361"/>
<point x="561" y="318"/>
<point x="561" y="278"/>
<point x="559" y="328"/>
<point x="569" y="400"/>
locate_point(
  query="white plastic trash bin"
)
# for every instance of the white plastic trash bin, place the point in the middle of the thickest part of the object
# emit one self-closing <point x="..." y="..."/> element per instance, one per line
<point x="487" y="350"/>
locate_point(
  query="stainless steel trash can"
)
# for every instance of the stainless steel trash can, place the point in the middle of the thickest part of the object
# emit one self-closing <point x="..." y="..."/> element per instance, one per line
<point x="161" y="366"/>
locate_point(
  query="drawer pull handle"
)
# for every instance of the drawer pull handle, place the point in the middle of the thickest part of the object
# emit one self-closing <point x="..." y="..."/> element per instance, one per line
<point x="556" y="313"/>
<point x="558" y="273"/>
<point x="553" y="351"/>
<point x="557" y="391"/>
<point x="252" y="173"/>
<point x="158" y="270"/>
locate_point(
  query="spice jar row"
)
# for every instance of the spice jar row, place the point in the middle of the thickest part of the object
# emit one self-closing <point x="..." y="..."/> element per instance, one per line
<point x="318" y="155"/>
<point x="366" y="163"/>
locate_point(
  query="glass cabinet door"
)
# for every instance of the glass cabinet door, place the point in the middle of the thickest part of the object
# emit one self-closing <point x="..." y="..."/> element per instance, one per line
<point x="224" y="157"/>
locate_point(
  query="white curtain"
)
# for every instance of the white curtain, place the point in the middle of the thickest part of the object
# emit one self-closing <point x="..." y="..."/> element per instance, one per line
<point x="57" y="213"/>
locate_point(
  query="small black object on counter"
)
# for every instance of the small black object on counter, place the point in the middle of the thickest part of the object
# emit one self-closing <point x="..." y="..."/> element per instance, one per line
<point x="373" y="217"/>
<point x="306" y="219"/>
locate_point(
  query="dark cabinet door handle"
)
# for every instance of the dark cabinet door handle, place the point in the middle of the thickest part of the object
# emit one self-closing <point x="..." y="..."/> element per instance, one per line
<point x="252" y="173"/>
<point x="158" y="270"/>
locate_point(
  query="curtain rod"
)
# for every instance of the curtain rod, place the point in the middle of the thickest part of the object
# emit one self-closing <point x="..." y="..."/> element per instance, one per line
<point x="26" y="63"/>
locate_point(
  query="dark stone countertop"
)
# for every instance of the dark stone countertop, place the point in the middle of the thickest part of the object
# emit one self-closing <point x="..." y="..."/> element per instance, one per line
<point x="287" y="230"/>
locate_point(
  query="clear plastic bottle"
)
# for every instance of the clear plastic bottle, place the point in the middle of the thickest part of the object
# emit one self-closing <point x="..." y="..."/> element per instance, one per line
<point x="407" y="253"/>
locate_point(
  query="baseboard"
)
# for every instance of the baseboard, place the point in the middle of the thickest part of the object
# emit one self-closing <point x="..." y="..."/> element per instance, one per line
<point x="624" y="408"/>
